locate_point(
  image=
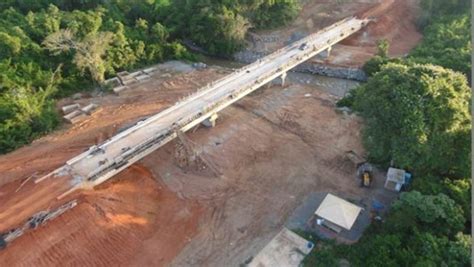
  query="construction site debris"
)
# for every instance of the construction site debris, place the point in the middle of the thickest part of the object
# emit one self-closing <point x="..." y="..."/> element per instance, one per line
<point x="355" y="158"/>
<point x="39" y="218"/>
<point x="25" y="181"/>
<point x="187" y="157"/>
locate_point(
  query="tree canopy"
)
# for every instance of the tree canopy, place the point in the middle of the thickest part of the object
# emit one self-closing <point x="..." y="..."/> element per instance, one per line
<point x="418" y="116"/>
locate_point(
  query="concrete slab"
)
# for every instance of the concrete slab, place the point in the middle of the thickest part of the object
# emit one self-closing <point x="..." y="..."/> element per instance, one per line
<point x="286" y="249"/>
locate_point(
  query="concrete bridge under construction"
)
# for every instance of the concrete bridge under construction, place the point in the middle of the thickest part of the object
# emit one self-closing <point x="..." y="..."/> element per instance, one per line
<point x="103" y="161"/>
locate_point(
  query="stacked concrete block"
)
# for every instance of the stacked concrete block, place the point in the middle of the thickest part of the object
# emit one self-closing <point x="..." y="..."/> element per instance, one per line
<point x="89" y="109"/>
<point x="69" y="108"/>
<point x="142" y="77"/>
<point x="119" y="89"/>
<point x="74" y="113"/>
<point x="150" y="70"/>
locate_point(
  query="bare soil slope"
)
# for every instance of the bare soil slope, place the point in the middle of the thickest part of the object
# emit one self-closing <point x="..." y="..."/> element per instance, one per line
<point x="112" y="226"/>
<point x="395" y="22"/>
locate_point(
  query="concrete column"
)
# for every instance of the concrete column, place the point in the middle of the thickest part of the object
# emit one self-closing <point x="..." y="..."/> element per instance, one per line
<point x="326" y="53"/>
<point x="283" y="78"/>
<point x="211" y="121"/>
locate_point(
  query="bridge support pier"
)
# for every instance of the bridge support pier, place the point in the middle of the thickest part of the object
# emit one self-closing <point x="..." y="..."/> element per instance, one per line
<point x="283" y="78"/>
<point x="326" y="53"/>
<point x="211" y="121"/>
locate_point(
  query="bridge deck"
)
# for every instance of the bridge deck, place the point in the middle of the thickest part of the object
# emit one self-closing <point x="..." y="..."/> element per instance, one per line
<point x="103" y="161"/>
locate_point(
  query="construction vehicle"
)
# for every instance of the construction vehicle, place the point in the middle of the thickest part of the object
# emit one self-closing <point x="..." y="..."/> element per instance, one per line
<point x="364" y="169"/>
<point x="365" y="174"/>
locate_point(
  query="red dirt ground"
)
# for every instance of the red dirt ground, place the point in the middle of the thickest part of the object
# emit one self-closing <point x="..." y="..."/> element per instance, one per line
<point x="133" y="221"/>
<point x="395" y="22"/>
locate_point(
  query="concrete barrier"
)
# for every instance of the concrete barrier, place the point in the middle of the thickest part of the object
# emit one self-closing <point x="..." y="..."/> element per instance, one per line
<point x="150" y="70"/>
<point x="70" y="108"/>
<point x="119" y="89"/>
<point x="142" y="77"/>
<point x="89" y="109"/>
<point x="73" y="114"/>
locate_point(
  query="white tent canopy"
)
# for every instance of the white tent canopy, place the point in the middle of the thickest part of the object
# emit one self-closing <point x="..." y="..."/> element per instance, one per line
<point x="338" y="211"/>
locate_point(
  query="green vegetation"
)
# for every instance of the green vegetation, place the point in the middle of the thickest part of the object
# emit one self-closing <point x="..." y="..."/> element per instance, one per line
<point x="418" y="117"/>
<point x="417" y="114"/>
<point x="93" y="39"/>
<point x="447" y="42"/>
<point x="220" y="26"/>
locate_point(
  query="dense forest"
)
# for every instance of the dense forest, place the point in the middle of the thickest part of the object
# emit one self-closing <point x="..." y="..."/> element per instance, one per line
<point x="53" y="48"/>
<point x="417" y="115"/>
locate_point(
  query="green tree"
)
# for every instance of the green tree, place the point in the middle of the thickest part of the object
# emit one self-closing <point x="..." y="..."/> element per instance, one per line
<point x="382" y="48"/>
<point x="9" y="45"/>
<point x="447" y="42"/>
<point x="436" y="214"/>
<point x="270" y="14"/>
<point x="89" y="52"/>
<point x="417" y="116"/>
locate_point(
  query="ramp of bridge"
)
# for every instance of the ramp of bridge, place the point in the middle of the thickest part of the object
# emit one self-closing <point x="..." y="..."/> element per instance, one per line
<point x="100" y="162"/>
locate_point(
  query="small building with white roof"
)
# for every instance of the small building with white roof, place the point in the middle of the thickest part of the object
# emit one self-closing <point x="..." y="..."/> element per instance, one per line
<point x="336" y="213"/>
<point x="395" y="179"/>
